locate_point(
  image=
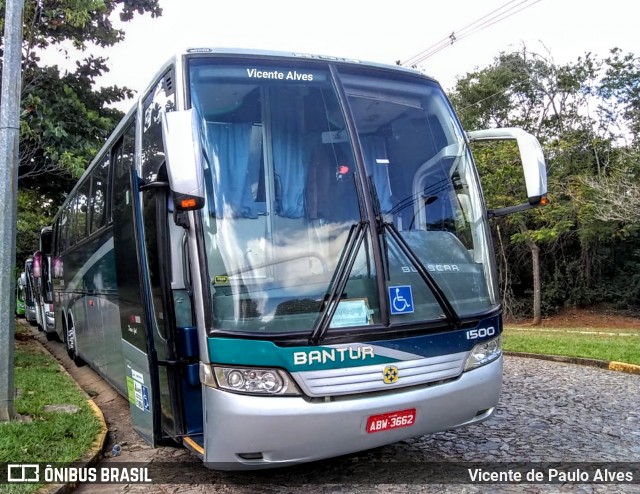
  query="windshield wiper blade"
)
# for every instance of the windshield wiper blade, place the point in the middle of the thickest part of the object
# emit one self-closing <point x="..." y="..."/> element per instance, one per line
<point x="340" y="279"/>
<point x="382" y="227"/>
<point x="449" y="312"/>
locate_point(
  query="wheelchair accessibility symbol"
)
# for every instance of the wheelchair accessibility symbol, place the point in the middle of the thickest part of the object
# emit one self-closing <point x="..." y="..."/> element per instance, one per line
<point x="401" y="299"/>
<point x="145" y="399"/>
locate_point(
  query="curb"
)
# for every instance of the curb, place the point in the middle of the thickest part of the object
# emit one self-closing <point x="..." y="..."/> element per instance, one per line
<point x="95" y="451"/>
<point x="603" y="364"/>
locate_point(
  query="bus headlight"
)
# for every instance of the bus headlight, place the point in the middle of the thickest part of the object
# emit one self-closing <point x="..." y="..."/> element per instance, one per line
<point x="483" y="353"/>
<point x="252" y="381"/>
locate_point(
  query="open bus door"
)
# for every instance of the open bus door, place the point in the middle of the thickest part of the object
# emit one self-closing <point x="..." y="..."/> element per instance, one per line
<point x="137" y="344"/>
<point x="161" y="361"/>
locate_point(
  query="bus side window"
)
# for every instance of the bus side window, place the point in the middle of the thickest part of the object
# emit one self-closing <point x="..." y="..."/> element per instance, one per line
<point x="63" y="232"/>
<point x="72" y="236"/>
<point x="80" y="211"/>
<point x="99" y="188"/>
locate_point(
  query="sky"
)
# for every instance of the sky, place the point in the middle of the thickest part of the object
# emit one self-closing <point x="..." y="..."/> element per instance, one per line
<point x="376" y="30"/>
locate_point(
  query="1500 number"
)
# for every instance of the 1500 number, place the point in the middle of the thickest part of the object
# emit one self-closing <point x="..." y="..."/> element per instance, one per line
<point x="473" y="334"/>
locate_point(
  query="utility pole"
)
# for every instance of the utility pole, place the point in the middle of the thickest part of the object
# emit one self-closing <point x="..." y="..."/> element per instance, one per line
<point x="9" y="159"/>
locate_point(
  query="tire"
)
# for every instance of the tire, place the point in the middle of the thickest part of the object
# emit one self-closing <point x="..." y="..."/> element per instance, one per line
<point x="69" y="343"/>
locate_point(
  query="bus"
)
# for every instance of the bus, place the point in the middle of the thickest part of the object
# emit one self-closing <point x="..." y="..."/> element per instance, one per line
<point x="21" y="289"/>
<point x="279" y="258"/>
<point x="42" y="286"/>
<point x="29" y="302"/>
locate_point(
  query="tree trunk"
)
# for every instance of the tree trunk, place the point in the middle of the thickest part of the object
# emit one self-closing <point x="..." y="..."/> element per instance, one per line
<point x="535" y="271"/>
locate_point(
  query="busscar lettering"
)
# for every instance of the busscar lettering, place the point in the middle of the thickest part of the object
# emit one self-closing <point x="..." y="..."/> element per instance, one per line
<point x="333" y="355"/>
<point x="434" y="268"/>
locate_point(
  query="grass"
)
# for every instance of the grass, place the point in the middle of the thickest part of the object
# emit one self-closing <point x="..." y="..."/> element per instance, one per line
<point x="608" y="345"/>
<point x="48" y="436"/>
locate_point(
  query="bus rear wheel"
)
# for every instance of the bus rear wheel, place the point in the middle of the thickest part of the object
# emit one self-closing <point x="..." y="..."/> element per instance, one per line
<point x="70" y="343"/>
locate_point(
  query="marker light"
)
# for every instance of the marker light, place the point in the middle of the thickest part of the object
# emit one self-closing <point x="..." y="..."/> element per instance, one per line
<point x="343" y="169"/>
<point x="483" y="353"/>
<point x="188" y="203"/>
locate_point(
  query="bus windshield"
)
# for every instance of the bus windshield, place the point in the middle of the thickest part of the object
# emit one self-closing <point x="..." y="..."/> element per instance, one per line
<point x="284" y="204"/>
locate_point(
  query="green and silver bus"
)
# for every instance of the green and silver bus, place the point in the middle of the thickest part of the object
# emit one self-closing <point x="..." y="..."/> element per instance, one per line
<point x="29" y="301"/>
<point x="42" y="284"/>
<point x="21" y="294"/>
<point x="279" y="258"/>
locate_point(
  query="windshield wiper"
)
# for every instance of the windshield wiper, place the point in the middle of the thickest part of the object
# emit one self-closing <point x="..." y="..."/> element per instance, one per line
<point x="340" y="279"/>
<point x="441" y="298"/>
<point x="384" y="226"/>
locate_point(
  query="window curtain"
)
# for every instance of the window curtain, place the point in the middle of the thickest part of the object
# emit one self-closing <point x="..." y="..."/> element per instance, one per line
<point x="373" y="149"/>
<point x="288" y="162"/>
<point x="229" y="155"/>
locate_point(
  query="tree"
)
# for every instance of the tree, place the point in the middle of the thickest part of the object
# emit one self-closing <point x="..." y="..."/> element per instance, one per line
<point x="615" y="190"/>
<point x="64" y="116"/>
<point x="617" y="198"/>
<point x="556" y="103"/>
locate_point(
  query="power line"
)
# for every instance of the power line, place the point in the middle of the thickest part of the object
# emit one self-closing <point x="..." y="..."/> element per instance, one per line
<point x="483" y="22"/>
<point x="451" y="38"/>
<point x="488" y="19"/>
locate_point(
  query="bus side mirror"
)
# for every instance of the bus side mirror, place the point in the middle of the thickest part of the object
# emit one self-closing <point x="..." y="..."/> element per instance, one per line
<point x="36" y="267"/>
<point x="184" y="159"/>
<point x="533" y="164"/>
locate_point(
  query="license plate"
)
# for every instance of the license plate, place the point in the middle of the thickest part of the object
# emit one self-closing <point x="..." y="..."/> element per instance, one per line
<point x="391" y="420"/>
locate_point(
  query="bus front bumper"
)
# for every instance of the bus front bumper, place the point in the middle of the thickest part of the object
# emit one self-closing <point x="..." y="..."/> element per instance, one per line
<point x="250" y="432"/>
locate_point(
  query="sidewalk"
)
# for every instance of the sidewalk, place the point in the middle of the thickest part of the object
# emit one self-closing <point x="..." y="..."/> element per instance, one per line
<point x="603" y="364"/>
<point x="112" y="409"/>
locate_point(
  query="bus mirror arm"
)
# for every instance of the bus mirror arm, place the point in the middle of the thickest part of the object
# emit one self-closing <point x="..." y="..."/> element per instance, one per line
<point x="181" y="218"/>
<point x="153" y="185"/>
<point x="497" y="213"/>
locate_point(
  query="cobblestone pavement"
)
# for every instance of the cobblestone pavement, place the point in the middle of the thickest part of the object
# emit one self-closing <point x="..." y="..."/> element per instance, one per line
<point x="548" y="412"/>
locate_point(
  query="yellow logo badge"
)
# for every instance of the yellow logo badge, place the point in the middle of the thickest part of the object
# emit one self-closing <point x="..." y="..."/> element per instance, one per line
<point x="390" y="374"/>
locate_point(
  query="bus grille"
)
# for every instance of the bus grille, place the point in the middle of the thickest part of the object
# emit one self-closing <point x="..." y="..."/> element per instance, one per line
<point x="366" y="379"/>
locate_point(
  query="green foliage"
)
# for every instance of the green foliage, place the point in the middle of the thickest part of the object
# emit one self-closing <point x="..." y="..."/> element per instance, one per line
<point x="34" y="212"/>
<point x="620" y="89"/>
<point x="64" y="117"/>
<point x="587" y="236"/>
<point x="83" y="22"/>
<point x="39" y="381"/>
<point x="64" y="121"/>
